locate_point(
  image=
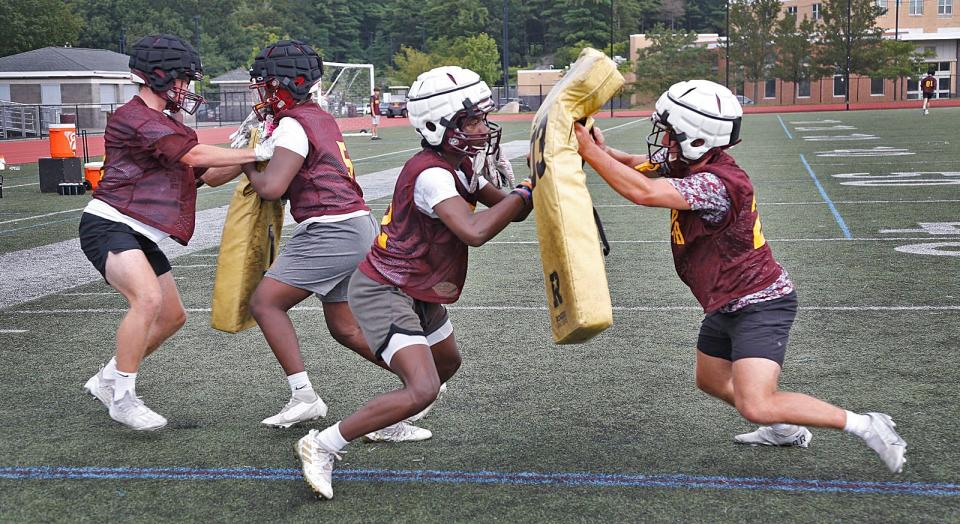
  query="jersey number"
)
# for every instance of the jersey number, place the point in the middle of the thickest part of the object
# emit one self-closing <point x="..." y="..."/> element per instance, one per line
<point x="346" y="159"/>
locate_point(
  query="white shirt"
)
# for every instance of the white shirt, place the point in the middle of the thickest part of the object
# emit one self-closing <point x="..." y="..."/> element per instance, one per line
<point x="434" y="185"/>
<point x="104" y="210"/>
<point x="289" y="134"/>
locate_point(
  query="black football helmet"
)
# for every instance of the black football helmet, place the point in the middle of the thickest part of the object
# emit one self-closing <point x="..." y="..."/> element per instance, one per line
<point x="283" y="74"/>
<point x="159" y="60"/>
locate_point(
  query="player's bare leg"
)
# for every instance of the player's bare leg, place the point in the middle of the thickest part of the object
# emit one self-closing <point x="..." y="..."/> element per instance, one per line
<point x="757" y="399"/>
<point x="130" y="273"/>
<point x="269" y="306"/>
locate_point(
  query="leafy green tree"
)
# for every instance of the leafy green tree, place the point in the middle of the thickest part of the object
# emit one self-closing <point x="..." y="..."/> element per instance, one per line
<point x="752" y="26"/>
<point x="866" y="48"/>
<point x="670" y="58"/>
<point x="32" y="24"/>
<point x="795" y="50"/>
<point x="409" y="64"/>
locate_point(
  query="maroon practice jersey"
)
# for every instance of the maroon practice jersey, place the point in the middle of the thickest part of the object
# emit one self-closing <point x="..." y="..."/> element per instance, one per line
<point x="728" y="260"/>
<point x="143" y="177"/>
<point x="928" y="84"/>
<point x="374" y="105"/>
<point x="325" y="184"/>
<point x="415" y="252"/>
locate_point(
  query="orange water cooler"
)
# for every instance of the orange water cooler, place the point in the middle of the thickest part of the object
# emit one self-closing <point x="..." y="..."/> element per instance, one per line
<point x="63" y="140"/>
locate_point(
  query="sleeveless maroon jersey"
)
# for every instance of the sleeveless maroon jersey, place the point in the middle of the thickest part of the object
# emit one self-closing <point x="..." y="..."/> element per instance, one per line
<point x="726" y="261"/>
<point x="143" y="177"/>
<point x="325" y="184"/>
<point x="414" y="252"/>
<point x="928" y="84"/>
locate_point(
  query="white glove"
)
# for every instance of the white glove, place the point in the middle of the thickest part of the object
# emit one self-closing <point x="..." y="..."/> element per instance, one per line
<point x="240" y="138"/>
<point x="505" y="170"/>
<point x="264" y="150"/>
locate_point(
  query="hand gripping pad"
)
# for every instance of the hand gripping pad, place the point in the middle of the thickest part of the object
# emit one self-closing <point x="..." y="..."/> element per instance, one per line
<point x="250" y="243"/>
<point x="575" y="279"/>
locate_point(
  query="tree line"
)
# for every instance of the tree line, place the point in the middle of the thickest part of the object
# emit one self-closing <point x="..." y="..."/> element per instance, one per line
<point x="766" y="43"/>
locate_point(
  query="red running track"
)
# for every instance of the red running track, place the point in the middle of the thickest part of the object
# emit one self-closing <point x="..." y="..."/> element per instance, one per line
<point x="29" y="150"/>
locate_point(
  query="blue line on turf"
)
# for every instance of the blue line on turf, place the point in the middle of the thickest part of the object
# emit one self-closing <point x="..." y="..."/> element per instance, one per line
<point x="527" y="478"/>
<point x="823" y="193"/>
<point x="785" y="128"/>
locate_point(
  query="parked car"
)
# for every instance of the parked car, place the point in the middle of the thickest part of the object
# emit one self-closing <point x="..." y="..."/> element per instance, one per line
<point x="744" y="101"/>
<point x="394" y="102"/>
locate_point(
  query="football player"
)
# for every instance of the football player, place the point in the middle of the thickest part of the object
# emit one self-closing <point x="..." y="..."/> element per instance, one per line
<point x="720" y="252"/>
<point x="148" y="192"/>
<point x="335" y="228"/>
<point x="928" y="86"/>
<point x="419" y="261"/>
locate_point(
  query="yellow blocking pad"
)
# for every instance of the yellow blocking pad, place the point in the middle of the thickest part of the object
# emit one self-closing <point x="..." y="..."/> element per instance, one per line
<point x="250" y="243"/>
<point x="575" y="278"/>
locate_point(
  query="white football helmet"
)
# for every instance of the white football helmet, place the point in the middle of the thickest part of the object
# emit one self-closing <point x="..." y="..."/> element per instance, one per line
<point x="696" y="110"/>
<point x="438" y="102"/>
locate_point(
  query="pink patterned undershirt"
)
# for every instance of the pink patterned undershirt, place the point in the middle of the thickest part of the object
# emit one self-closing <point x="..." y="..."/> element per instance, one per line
<point x="707" y="195"/>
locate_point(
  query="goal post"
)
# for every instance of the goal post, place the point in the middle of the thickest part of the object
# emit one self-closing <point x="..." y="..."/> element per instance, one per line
<point x="345" y="89"/>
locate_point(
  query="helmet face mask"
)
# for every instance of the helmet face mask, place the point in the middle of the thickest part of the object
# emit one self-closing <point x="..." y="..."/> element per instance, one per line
<point x="159" y="61"/>
<point x="448" y="106"/>
<point x="700" y="117"/>
<point x="284" y="74"/>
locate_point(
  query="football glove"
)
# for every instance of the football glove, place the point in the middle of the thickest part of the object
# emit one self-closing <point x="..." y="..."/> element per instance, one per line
<point x="264" y="150"/>
<point x="240" y="138"/>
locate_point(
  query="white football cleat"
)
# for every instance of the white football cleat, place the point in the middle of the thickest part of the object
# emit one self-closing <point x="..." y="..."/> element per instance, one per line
<point x="766" y="436"/>
<point x="426" y="410"/>
<point x="297" y="411"/>
<point x="399" y="432"/>
<point x="101" y="388"/>
<point x="882" y="438"/>
<point x="132" y="412"/>
<point x="317" y="464"/>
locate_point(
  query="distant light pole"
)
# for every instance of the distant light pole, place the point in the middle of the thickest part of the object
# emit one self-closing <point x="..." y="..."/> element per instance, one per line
<point x="611" y="49"/>
<point x="727" y="45"/>
<point x="506" y="54"/>
<point x="847" y="72"/>
<point x="896" y="36"/>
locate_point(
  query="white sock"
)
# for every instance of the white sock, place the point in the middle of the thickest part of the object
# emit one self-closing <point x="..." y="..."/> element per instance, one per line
<point x="110" y="368"/>
<point x="300" y="386"/>
<point x="785" y="430"/>
<point x="331" y="439"/>
<point x="857" y="424"/>
<point x="124" y="382"/>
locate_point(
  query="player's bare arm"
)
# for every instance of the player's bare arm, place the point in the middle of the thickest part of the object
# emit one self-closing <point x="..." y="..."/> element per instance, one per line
<point x="272" y="182"/>
<point x="217" y="176"/>
<point x="203" y="155"/>
<point x="475" y="229"/>
<point x="627" y="159"/>
<point x="655" y="192"/>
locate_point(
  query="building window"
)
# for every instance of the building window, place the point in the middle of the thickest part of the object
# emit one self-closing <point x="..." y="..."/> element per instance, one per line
<point x="50" y="94"/>
<point x="770" y="89"/>
<point x="108" y="97"/>
<point x="792" y="10"/>
<point x="129" y="91"/>
<point x="839" y="87"/>
<point x="944" y="7"/>
<point x="5" y="92"/>
<point x="816" y="11"/>
<point x="882" y="4"/>
<point x="876" y="86"/>
<point x="803" y="89"/>
<point x="916" y="7"/>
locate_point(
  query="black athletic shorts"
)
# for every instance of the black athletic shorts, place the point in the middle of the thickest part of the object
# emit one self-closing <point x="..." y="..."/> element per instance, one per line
<point x="759" y="330"/>
<point x="929" y="95"/>
<point x="99" y="236"/>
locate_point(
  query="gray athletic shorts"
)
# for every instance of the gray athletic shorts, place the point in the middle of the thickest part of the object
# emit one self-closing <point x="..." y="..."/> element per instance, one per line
<point x="321" y="256"/>
<point x="392" y="320"/>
